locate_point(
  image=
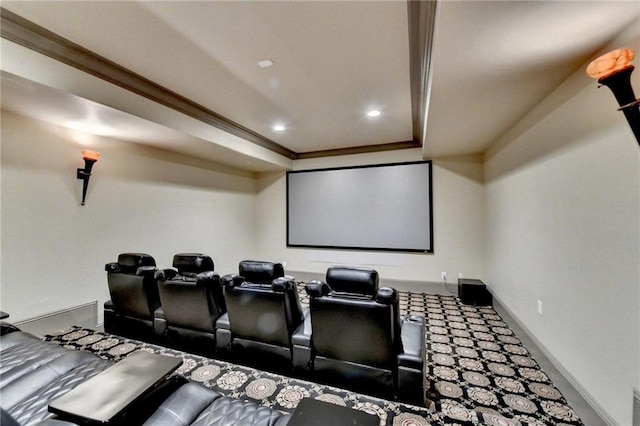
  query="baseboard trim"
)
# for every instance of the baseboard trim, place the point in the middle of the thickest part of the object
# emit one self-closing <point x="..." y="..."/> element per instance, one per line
<point x="588" y="398"/>
<point x="636" y="407"/>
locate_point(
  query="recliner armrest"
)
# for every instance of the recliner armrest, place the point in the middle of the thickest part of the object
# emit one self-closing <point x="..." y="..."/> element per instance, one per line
<point x="223" y="333"/>
<point x="302" y="335"/>
<point x="184" y="405"/>
<point x="222" y="322"/>
<point x="146" y="271"/>
<point x="159" y="322"/>
<point x="301" y="342"/>
<point x="282" y="284"/>
<point x="108" y="306"/>
<point x="317" y="288"/>
<point x="413" y="345"/>
<point x="232" y="280"/>
<point x="112" y="267"/>
<point x="165" y="274"/>
<point x="207" y="279"/>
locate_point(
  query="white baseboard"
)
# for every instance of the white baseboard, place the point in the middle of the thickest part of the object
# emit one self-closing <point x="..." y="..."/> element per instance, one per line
<point x="588" y="398"/>
<point x="85" y="315"/>
<point x="636" y="407"/>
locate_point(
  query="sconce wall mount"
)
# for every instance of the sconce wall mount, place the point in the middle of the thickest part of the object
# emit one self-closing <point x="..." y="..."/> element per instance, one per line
<point x="90" y="158"/>
<point x="613" y="69"/>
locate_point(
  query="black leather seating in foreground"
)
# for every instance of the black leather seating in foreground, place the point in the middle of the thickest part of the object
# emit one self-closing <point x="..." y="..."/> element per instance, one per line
<point x="134" y="297"/>
<point x="34" y="373"/>
<point x="191" y="302"/>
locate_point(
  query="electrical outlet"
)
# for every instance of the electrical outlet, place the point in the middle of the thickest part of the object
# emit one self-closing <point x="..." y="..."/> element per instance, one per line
<point x="443" y="275"/>
<point x="284" y="263"/>
<point x="539" y="307"/>
<point x="460" y="275"/>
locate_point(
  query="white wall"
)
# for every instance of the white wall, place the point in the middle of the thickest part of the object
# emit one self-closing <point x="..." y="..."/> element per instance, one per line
<point x="563" y="227"/>
<point x="458" y="223"/>
<point x="140" y="199"/>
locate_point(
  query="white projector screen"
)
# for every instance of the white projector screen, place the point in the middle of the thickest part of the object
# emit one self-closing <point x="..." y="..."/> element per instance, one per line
<point x="385" y="207"/>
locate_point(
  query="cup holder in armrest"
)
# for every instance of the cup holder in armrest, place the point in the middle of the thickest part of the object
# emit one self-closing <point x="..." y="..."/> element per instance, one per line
<point x="416" y="319"/>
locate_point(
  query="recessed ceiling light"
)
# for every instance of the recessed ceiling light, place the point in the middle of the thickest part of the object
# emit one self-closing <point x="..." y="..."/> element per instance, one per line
<point x="278" y="128"/>
<point x="373" y="113"/>
<point x="266" y="63"/>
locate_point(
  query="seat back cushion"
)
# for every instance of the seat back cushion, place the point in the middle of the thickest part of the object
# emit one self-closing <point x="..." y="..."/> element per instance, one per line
<point x="257" y="314"/>
<point x="352" y="330"/>
<point x="133" y="295"/>
<point x="188" y="305"/>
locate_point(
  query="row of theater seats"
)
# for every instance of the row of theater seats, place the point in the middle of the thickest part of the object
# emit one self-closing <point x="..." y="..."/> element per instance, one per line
<point x="351" y="335"/>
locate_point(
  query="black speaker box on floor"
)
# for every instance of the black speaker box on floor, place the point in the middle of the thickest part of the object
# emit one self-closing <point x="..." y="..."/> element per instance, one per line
<point x="474" y="292"/>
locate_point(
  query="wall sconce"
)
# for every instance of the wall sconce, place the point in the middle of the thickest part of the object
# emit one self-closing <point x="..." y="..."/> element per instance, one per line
<point x="613" y="70"/>
<point x="89" y="157"/>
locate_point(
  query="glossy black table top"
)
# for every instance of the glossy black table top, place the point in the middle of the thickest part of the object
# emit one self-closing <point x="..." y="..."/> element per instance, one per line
<point x="106" y="395"/>
<point x="312" y="412"/>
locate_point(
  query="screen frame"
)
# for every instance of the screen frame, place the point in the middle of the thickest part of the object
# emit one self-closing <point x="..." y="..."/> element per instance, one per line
<point x="429" y="250"/>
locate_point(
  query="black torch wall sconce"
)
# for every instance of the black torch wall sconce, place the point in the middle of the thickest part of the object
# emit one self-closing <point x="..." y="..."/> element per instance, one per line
<point x="613" y="69"/>
<point x="89" y="157"/>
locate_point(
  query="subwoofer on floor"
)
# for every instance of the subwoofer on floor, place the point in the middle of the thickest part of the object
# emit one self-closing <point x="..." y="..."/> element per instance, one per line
<point x="474" y="292"/>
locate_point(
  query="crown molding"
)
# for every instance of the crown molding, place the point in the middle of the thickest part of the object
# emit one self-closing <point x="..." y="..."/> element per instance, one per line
<point x="421" y="16"/>
<point x="32" y="36"/>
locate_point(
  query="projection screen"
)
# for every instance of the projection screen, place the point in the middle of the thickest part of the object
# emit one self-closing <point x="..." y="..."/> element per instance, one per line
<point x="385" y="207"/>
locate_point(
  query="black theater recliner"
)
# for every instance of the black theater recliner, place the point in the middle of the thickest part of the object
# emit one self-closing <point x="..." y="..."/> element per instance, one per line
<point x="192" y="301"/>
<point x="134" y="297"/>
<point x="358" y="339"/>
<point x="263" y="311"/>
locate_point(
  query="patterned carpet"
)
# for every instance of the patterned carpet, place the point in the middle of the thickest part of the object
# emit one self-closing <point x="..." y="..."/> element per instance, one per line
<point x="477" y="372"/>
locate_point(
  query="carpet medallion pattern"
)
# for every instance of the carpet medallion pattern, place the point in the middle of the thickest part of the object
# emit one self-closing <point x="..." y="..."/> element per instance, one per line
<point x="477" y="366"/>
<point x="477" y="372"/>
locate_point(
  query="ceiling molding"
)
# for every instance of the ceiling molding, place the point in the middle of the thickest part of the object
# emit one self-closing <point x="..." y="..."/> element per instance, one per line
<point x="421" y="15"/>
<point x="32" y="36"/>
<point x="359" y="149"/>
<point x="422" y="19"/>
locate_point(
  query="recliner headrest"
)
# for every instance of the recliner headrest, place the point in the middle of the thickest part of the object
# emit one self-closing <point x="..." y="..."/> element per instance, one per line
<point x="359" y="281"/>
<point x="259" y="272"/>
<point x="129" y="263"/>
<point x="317" y="288"/>
<point x="387" y="296"/>
<point x="282" y="284"/>
<point x="192" y="263"/>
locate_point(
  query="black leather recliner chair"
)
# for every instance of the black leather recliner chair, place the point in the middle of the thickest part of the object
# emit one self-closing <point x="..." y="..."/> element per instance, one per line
<point x="134" y="297"/>
<point x="192" y="301"/>
<point x="358" y="339"/>
<point x="263" y="311"/>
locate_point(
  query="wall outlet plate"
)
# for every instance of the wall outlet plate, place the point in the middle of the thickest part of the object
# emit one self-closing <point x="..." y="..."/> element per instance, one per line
<point x="443" y="275"/>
